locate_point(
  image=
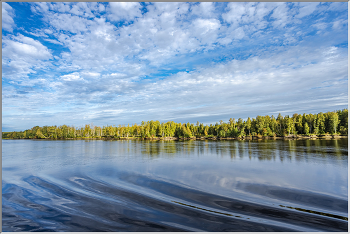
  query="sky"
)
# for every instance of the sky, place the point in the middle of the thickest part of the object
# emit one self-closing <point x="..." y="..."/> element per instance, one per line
<point x="116" y="63"/>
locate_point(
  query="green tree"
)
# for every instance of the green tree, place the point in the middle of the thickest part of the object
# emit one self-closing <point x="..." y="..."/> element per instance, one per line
<point x="333" y="122"/>
<point x="289" y="124"/>
<point x="306" y="128"/>
<point x="280" y="124"/>
<point x="248" y="125"/>
<point x="39" y="134"/>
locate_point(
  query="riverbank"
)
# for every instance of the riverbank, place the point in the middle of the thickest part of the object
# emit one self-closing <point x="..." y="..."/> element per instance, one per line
<point x="290" y="137"/>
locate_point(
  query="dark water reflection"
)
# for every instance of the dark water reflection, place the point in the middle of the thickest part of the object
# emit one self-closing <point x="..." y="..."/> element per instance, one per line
<point x="265" y="185"/>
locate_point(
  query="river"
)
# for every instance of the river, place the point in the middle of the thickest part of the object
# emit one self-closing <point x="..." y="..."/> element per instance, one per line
<point x="134" y="185"/>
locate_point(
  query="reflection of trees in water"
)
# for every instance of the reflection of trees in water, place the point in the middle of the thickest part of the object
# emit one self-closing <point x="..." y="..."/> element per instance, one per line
<point x="266" y="150"/>
<point x="321" y="148"/>
<point x="152" y="148"/>
<point x="155" y="149"/>
<point x="298" y="150"/>
<point x="337" y="149"/>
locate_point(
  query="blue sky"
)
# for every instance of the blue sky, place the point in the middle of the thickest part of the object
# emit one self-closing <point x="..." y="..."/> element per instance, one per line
<point x="119" y="63"/>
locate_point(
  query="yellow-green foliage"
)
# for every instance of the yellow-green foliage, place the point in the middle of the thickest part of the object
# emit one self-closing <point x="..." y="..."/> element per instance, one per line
<point x="335" y="122"/>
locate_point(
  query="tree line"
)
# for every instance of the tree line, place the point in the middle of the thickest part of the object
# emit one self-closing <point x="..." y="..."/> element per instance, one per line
<point x="335" y="122"/>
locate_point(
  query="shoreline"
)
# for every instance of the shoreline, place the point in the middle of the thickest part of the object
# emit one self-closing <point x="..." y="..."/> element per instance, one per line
<point x="292" y="137"/>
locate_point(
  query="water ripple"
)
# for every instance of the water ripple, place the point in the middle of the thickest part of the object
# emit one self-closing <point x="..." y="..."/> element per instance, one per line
<point x="81" y="203"/>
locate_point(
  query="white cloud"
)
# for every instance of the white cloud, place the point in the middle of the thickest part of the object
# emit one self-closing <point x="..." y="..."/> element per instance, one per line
<point x="91" y="74"/>
<point x="283" y="76"/>
<point x="251" y="18"/>
<point x="118" y="75"/>
<point x="174" y="8"/>
<point x="273" y="79"/>
<point x="238" y="33"/>
<point x="206" y="30"/>
<point x="67" y="22"/>
<point x="60" y="7"/>
<point x="53" y="41"/>
<point x="307" y="8"/>
<point x="48" y="31"/>
<point x="21" y="55"/>
<point x="158" y="38"/>
<point x="338" y="6"/>
<point x="84" y="9"/>
<point x="71" y="77"/>
<point x="38" y="34"/>
<point x="101" y="7"/>
<point x="320" y="25"/>
<point x="235" y="13"/>
<point x="124" y="10"/>
<point x="233" y="33"/>
<point x="25" y="47"/>
<point x="7" y="17"/>
<point x="203" y="9"/>
<point x="281" y="15"/>
<point x="40" y="7"/>
<point x="339" y="24"/>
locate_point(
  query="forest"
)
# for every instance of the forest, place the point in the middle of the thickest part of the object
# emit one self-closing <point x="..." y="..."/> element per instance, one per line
<point x="330" y="123"/>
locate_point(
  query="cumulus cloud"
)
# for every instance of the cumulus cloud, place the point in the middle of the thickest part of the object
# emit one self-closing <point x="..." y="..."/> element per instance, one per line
<point x="25" y="47"/>
<point x="21" y="55"/>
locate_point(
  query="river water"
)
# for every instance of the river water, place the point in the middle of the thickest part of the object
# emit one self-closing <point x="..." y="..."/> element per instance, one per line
<point x="131" y="185"/>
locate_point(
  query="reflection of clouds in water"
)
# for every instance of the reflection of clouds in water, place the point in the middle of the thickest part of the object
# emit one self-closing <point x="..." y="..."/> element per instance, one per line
<point x="205" y="164"/>
<point x="248" y="178"/>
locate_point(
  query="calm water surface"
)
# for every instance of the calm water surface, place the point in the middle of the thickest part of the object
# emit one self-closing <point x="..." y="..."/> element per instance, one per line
<point x="77" y="185"/>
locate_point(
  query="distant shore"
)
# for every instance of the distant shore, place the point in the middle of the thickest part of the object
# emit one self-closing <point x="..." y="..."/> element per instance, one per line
<point x="290" y="137"/>
<point x="330" y="125"/>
